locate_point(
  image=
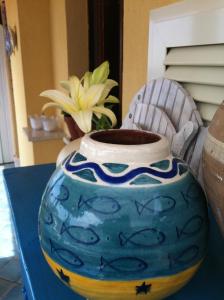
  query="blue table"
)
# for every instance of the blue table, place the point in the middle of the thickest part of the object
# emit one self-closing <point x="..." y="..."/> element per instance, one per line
<point x="25" y="187"/>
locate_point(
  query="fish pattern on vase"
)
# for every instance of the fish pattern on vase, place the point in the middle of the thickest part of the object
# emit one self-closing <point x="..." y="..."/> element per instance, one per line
<point x="146" y="240"/>
<point x="96" y="207"/>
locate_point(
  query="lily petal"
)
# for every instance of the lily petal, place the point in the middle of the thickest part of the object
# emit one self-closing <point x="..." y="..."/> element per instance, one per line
<point x="111" y="99"/>
<point x="98" y="115"/>
<point x="107" y="112"/>
<point x="109" y="84"/>
<point x="63" y="100"/>
<point x="92" y="96"/>
<point x="83" y="120"/>
<point x="64" y="108"/>
<point x="101" y="73"/>
<point x="87" y="80"/>
<point x="50" y="104"/>
<point x="56" y="96"/>
<point x="65" y="84"/>
<point x="76" y="89"/>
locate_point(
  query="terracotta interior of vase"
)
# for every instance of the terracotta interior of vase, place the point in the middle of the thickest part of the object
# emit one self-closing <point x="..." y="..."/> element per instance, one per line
<point x="125" y="137"/>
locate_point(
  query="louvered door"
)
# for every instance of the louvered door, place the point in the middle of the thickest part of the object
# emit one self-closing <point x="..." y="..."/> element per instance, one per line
<point x="186" y="43"/>
<point x="200" y="69"/>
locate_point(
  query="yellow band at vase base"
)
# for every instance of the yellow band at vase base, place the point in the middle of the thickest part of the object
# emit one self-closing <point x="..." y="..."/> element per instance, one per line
<point x="150" y="288"/>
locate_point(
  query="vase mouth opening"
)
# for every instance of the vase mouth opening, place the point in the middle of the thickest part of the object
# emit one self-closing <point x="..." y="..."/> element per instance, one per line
<point x="125" y="137"/>
<point x="124" y="146"/>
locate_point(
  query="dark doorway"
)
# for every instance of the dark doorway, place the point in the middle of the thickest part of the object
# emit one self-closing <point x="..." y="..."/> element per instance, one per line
<point x="105" y="41"/>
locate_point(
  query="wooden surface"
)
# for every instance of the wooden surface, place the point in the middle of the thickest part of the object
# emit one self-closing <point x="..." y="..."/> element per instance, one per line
<point x="25" y="187"/>
<point x="165" y="107"/>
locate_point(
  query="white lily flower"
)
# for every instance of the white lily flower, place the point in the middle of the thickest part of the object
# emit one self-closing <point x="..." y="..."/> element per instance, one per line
<point x="87" y="96"/>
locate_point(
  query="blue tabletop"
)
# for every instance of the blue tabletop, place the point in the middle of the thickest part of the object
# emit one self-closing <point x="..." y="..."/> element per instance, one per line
<point x="25" y="187"/>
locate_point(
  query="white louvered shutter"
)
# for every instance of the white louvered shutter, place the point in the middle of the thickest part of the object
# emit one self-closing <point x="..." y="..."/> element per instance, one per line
<point x="200" y="69"/>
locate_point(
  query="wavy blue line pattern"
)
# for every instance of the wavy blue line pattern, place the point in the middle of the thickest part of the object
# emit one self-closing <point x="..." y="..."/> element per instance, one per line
<point x="126" y="177"/>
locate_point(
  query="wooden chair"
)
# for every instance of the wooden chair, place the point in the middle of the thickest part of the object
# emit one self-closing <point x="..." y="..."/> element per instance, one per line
<point x="165" y="107"/>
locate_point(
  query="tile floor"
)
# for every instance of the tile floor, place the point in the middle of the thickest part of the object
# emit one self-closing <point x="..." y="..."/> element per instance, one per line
<point x="10" y="274"/>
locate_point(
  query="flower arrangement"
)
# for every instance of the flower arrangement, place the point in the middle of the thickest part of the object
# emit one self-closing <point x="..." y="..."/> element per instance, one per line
<point x="86" y="99"/>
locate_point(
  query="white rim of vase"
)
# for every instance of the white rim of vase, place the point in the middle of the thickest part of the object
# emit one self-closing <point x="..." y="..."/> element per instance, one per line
<point x="118" y="153"/>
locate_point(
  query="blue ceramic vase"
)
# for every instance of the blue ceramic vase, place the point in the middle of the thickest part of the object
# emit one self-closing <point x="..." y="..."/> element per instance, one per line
<point x="123" y="219"/>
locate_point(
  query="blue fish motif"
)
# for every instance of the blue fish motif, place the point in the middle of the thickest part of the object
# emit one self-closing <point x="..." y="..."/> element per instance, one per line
<point x="148" y="237"/>
<point x="185" y="257"/>
<point x="157" y="205"/>
<point x="100" y="204"/>
<point x="191" y="227"/>
<point x="81" y="235"/>
<point x="193" y="193"/>
<point x="58" y="190"/>
<point x="67" y="256"/>
<point x="123" y="264"/>
<point x="48" y="218"/>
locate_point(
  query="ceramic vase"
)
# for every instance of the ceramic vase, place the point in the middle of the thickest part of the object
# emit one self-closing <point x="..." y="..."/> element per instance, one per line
<point x="123" y="219"/>
<point x="68" y="149"/>
<point x="213" y="166"/>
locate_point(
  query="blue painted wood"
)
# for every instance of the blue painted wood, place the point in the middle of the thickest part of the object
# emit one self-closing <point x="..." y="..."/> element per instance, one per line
<point x="25" y="187"/>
